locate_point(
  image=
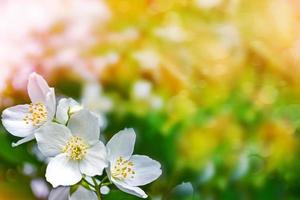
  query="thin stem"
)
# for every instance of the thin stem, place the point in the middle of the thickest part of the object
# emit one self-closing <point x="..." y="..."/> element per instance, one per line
<point x="104" y="179"/>
<point x="97" y="188"/>
<point x="106" y="184"/>
<point x="84" y="180"/>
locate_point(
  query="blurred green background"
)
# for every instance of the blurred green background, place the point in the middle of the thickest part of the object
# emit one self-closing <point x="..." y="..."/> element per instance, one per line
<point x="211" y="87"/>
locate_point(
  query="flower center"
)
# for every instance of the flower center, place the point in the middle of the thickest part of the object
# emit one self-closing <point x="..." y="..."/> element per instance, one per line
<point x="123" y="169"/>
<point x="37" y="114"/>
<point x="75" y="148"/>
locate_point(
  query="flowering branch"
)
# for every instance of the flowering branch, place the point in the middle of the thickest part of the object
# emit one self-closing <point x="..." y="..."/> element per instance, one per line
<point x="69" y="135"/>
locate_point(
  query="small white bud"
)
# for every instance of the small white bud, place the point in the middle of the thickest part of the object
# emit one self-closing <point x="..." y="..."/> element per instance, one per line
<point x="104" y="190"/>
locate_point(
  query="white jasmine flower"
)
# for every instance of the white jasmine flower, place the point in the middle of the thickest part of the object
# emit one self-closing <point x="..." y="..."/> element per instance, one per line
<point x="129" y="171"/>
<point x="94" y="100"/>
<point x="76" y="149"/>
<point x="24" y="120"/>
<point x="66" y="107"/>
<point x="63" y="193"/>
<point x="98" y="107"/>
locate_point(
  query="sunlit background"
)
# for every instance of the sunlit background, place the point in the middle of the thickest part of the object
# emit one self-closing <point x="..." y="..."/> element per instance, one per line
<point x="212" y="88"/>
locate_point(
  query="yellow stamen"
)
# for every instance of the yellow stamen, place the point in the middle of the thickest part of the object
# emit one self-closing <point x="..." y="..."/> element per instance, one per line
<point x="37" y="114"/>
<point x="76" y="148"/>
<point x="123" y="169"/>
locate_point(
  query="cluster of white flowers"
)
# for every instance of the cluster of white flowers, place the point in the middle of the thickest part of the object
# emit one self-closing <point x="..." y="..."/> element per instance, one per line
<point x="69" y="134"/>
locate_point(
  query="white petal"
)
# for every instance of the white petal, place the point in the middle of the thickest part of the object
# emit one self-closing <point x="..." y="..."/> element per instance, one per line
<point x="63" y="172"/>
<point x="94" y="161"/>
<point x="146" y="170"/>
<point x="50" y="104"/>
<point x="59" y="193"/>
<point x="83" y="194"/>
<point x="130" y="189"/>
<point x="12" y="120"/>
<point x="52" y="138"/>
<point x="37" y="88"/>
<point x="64" y="108"/>
<point x="121" y="144"/>
<point x="24" y="140"/>
<point x="85" y="125"/>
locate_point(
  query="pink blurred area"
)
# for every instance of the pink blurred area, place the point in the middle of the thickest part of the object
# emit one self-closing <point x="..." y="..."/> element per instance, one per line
<point x="43" y="35"/>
